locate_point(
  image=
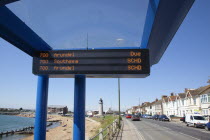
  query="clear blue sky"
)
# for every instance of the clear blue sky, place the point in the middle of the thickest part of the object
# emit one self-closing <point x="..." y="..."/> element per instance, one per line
<point x="185" y="63"/>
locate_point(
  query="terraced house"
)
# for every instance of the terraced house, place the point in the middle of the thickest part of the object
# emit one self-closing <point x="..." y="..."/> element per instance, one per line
<point x="205" y="100"/>
<point x="181" y="104"/>
<point x="196" y="101"/>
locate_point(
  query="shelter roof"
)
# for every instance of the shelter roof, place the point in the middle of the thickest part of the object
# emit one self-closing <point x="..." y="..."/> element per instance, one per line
<point x="82" y="24"/>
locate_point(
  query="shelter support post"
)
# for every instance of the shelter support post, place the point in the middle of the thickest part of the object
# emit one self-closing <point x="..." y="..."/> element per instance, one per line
<point x="79" y="108"/>
<point x="41" y="108"/>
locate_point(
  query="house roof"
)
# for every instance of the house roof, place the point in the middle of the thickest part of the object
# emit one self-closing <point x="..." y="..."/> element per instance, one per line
<point x="145" y="104"/>
<point x="202" y="89"/>
<point x="152" y="102"/>
<point x="193" y="92"/>
<point x="198" y="91"/>
<point x="135" y="107"/>
<point x="165" y="99"/>
<point x="181" y="95"/>
<point x="158" y="102"/>
<point x="172" y="98"/>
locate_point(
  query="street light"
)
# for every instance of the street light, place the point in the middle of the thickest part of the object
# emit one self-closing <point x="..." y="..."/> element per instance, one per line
<point x="119" y="99"/>
<point x="118" y="43"/>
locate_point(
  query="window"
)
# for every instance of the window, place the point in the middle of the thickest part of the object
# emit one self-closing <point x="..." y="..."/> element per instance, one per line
<point x="208" y="97"/>
<point x="194" y="101"/>
<point x="199" y="118"/>
<point x="205" y="112"/>
<point x="191" y="117"/>
<point x="204" y="98"/>
<point x="182" y="102"/>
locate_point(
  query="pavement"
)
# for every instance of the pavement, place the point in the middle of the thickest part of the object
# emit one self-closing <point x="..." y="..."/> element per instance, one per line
<point x="148" y="129"/>
<point x="129" y="132"/>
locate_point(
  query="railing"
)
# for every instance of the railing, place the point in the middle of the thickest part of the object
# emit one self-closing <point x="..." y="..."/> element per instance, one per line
<point x="107" y="133"/>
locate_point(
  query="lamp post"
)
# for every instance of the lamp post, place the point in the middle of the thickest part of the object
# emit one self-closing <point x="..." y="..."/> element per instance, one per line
<point x="118" y="44"/>
<point x="119" y="99"/>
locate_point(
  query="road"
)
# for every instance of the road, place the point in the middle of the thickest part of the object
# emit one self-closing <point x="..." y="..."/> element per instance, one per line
<point x="156" y="130"/>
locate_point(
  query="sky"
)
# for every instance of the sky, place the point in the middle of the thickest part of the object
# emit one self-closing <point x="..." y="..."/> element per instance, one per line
<point x="185" y="63"/>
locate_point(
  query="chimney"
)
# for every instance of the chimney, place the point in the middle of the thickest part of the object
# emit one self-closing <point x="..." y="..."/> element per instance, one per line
<point x="186" y="89"/>
<point x="156" y="100"/>
<point x="208" y="81"/>
<point x="172" y="94"/>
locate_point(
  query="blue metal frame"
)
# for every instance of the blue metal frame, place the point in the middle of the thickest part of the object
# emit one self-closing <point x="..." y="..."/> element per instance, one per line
<point x="79" y="108"/>
<point x="150" y="17"/>
<point x="41" y="108"/>
<point x="4" y="2"/>
<point x="161" y="27"/>
<point x="15" y="31"/>
<point x="162" y="21"/>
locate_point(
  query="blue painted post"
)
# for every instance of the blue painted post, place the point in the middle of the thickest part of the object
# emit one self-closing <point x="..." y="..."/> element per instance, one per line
<point x="41" y="108"/>
<point x="79" y="108"/>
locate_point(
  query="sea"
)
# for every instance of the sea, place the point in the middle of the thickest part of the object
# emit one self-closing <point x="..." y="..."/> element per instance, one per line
<point x="8" y="123"/>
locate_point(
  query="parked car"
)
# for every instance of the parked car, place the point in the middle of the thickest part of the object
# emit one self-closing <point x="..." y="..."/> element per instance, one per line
<point x="195" y="120"/>
<point x="155" y="117"/>
<point x="122" y="114"/>
<point x="207" y="127"/>
<point x="163" y="118"/>
<point x="128" y="116"/>
<point x="207" y="117"/>
<point x="135" y="118"/>
<point x="149" y="117"/>
<point x="182" y="119"/>
<point x="144" y="115"/>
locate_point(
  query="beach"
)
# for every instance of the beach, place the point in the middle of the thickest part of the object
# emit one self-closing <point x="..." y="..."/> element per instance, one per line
<point x="64" y="131"/>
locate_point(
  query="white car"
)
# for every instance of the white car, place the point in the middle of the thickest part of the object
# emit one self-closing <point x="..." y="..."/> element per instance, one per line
<point x="195" y="120"/>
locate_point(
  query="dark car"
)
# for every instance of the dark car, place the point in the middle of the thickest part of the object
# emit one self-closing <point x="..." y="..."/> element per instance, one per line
<point x="155" y="117"/>
<point x="182" y="119"/>
<point x="207" y="127"/>
<point x="128" y="116"/>
<point x="135" y="118"/>
<point x="163" y="118"/>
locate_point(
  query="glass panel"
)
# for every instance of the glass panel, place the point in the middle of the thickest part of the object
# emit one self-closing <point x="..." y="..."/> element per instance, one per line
<point x="78" y="24"/>
<point x="209" y="97"/>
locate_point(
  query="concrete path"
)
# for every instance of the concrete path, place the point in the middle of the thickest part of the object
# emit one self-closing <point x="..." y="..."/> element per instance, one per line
<point x="129" y="132"/>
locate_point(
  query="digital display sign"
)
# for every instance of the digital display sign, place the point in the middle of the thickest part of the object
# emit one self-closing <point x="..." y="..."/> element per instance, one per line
<point x="71" y="62"/>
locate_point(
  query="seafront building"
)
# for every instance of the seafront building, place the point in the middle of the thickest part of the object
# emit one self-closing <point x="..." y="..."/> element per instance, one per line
<point x="205" y="100"/>
<point x="196" y="101"/>
<point x="57" y="109"/>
